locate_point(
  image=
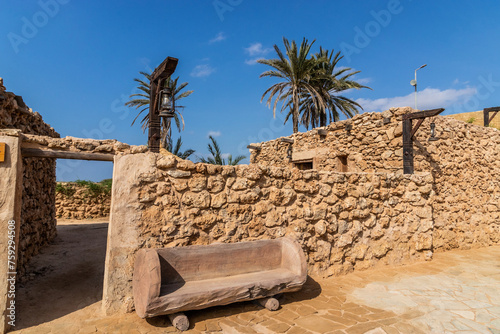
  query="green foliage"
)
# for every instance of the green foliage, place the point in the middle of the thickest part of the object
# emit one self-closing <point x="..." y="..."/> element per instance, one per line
<point x="66" y="189"/>
<point x="471" y="120"/>
<point x="177" y="149"/>
<point x="310" y="85"/>
<point x="93" y="189"/>
<point x="216" y="158"/>
<point x="141" y="101"/>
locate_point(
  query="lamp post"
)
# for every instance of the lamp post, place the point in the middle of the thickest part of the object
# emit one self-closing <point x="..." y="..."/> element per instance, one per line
<point x="414" y="83"/>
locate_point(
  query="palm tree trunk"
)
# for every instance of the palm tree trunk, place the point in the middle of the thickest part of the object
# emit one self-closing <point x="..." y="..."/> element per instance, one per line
<point x="296" y="114"/>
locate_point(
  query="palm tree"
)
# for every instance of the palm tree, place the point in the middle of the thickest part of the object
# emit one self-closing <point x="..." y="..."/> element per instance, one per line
<point x="297" y="70"/>
<point x="141" y="100"/>
<point x="216" y="158"/>
<point x="329" y="83"/>
<point x="177" y="149"/>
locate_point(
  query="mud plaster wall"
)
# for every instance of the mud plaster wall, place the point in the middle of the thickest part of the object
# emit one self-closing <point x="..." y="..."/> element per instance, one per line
<point x="465" y="164"/>
<point x="38" y="222"/>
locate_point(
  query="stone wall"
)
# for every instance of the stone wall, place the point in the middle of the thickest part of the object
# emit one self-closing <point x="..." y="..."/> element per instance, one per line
<point x="343" y="221"/>
<point x="76" y="201"/>
<point x="38" y="222"/>
<point x="464" y="162"/>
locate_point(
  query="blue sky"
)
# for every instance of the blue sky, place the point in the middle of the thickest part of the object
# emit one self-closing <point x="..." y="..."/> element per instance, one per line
<point x="74" y="61"/>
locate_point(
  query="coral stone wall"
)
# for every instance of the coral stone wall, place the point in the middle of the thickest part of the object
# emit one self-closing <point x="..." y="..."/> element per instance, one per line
<point x="465" y="164"/>
<point x="80" y="203"/>
<point x="38" y="222"/>
<point x="342" y="221"/>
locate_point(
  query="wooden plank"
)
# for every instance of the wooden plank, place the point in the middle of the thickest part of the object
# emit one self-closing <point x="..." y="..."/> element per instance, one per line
<point x="39" y="153"/>
<point x="423" y="114"/>
<point x="253" y="147"/>
<point x="286" y="140"/>
<point x="322" y="132"/>
<point x="486" y="117"/>
<point x="2" y="152"/>
<point x="492" y="109"/>
<point x="165" y="69"/>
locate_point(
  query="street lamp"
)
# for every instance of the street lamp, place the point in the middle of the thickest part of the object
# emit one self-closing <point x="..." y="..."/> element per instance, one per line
<point x="414" y="83"/>
<point x="166" y="103"/>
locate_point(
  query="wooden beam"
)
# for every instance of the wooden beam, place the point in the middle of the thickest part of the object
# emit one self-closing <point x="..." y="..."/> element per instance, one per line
<point x="492" y="109"/>
<point x="423" y="114"/>
<point x="415" y="128"/>
<point x="253" y="147"/>
<point x="493" y="116"/>
<point x="286" y="140"/>
<point x="322" y="132"/>
<point x="39" y="153"/>
<point x="165" y="69"/>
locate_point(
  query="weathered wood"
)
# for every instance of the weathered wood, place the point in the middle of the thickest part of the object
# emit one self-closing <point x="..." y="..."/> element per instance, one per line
<point x="423" y="114"/>
<point x="286" y="140"/>
<point x="272" y="304"/>
<point x="407" y="147"/>
<point x="322" y="132"/>
<point x="48" y="153"/>
<point x="415" y="128"/>
<point x="162" y="72"/>
<point x="492" y="109"/>
<point x="165" y="69"/>
<point x="172" y="280"/>
<point x="253" y="147"/>
<point x="179" y="321"/>
<point x="493" y="116"/>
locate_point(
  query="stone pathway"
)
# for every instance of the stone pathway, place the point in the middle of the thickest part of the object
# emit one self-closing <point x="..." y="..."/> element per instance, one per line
<point x="457" y="292"/>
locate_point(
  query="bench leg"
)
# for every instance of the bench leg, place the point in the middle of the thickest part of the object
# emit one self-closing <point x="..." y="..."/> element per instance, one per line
<point x="179" y="321"/>
<point x="272" y="304"/>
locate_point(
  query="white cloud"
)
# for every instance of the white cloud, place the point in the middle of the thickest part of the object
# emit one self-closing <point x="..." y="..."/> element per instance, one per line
<point x="202" y="70"/>
<point x="363" y="81"/>
<point x="256" y="51"/>
<point x="219" y="38"/>
<point x="428" y="98"/>
<point x="214" y="134"/>
<point x="225" y="155"/>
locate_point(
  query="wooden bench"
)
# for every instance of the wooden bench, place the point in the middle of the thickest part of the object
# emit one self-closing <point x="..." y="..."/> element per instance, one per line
<point x="172" y="280"/>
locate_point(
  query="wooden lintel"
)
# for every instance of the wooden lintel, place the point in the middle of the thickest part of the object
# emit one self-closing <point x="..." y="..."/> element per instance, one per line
<point x="165" y="69"/>
<point x="415" y="128"/>
<point x="286" y="140"/>
<point x="58" y="154"/>
<point x="423" y="114"/>
<point x="322" y="132"/>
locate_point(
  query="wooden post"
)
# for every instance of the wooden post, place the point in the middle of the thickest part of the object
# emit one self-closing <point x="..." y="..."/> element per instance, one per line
<point x="162" y="72"/>
<point x="408" y="167"/>
<point x="409" y="132"/>
<point x="486" y="115"/>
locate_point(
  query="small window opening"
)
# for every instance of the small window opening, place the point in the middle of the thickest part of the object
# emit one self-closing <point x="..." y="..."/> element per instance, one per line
<point x="303" y="165"/>
<point x="342" y="163"/>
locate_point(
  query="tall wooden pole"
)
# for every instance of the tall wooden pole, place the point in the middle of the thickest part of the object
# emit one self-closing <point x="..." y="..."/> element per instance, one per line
<point x="162" y="72"/>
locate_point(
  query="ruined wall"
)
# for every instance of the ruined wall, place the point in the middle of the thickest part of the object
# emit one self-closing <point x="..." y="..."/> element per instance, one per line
<point x="465" y="163"/>
<point x="343" y="221"/>
<point x="38" y="223"/>
<point x="477" y="118"/>
<point x="76" y="201"/>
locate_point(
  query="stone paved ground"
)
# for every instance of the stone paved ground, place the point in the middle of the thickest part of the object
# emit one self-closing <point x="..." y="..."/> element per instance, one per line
<point x="457" y="292"/>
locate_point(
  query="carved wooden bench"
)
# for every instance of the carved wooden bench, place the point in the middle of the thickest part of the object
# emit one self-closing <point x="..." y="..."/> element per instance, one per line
<point x="171" y="280"/>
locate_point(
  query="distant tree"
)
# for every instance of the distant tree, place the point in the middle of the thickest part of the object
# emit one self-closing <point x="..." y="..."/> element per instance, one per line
<point x="141" y="100"/>
<point x="216" y="158"/>
<point x="177" y="149"/>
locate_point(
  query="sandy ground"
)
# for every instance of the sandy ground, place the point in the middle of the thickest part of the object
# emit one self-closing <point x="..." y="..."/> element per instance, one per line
<point x="457" y="292"/>
<point x="66" y="276"/>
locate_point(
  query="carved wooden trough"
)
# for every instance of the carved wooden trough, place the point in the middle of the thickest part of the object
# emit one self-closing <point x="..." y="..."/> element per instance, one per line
<point x="172" y="280"/>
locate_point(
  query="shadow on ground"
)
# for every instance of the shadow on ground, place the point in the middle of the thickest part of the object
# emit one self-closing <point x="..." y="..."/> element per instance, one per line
<point x="65" y="277"/>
